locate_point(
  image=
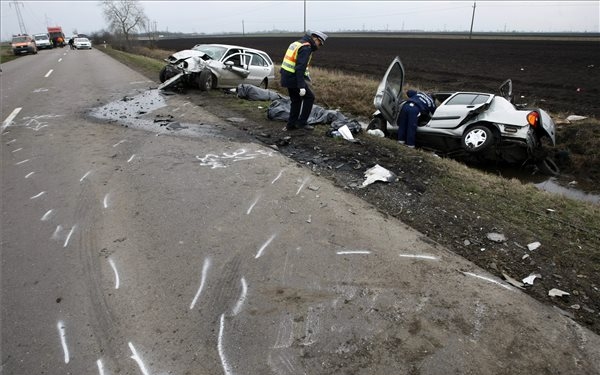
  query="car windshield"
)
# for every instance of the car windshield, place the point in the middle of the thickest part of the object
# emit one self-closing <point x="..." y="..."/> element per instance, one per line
<point x="81" y="40"/>
<point x="40" y="37"/>
<point x="19" y="39"/>
<point x="214" y="52"/>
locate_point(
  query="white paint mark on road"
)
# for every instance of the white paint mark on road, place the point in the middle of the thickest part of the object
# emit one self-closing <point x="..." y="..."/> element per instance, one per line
<point x="48" y="74"/>
<point x="351" y="252"/>
<point x="22" y="162"/>
<point x="138" y="360"/>
<point x="118" y="143"/>
<point x="6" y="123"/>
<point x="114" y="267"/>
<point x="105" y="201"/>
<point x="46" y="215"/>
<point x="488" y="279"/>
<point x="417" y="256"/>
<point x="226" y="367"/>
<point x="242" y="299"/>
<point x="69" y="235"/>
<point x="131" y="158"/>
<point x="100" y="367"/>
<point x="278" y="176"/>
<point x="11" y="141"/>
<point x="263" y="247"/>
<point x="205" y="267"/>
<point x="29" y="174"/>
<point x="59" y="60"/>
<point x="19" y="149"/>
<point x="84" y="176"/>
<point x="41" y="89"/>
<point x="38" y="195"/>
<point x="302" y="185"/>
<point x="252" y="205"/>
<point x="63" y="339"/>
<point x="56" y="234"/>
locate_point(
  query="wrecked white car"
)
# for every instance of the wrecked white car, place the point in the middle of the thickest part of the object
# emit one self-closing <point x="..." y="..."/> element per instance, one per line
<point x="211" y="66"/>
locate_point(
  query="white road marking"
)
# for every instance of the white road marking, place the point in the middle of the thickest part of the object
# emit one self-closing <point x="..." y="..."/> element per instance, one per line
<point x="19" y="149"/>
<point x="430" y="257"/>
<point x="56" y="233"/>
<point x="46" y="215"/>
<point x="63" y="339"/>
<point x="252" y="205"/>
<point x="38" y="195"/>
<point x="131" y="158"/>
<point x="350" y="252"/>
<point x="41" y="89"/>
<point x="226" y="367"/>
<point x="29" y="174"/>
<point x="84" y="176"/>
<point x="262" y="248"/>
<point x="100" y="367"/>
<point x="22" y="162"/>
<point x="488" y="279"/>
<point x="242" y="299"/>
<point x="118" y="143"/>
<point x="59" y="60"/>
<point x="114" y="267"/>
<point x="105" y="201"/>
<point x="278" y="176"/>
<point x="11" y="141"/>
<point x="13" y="114"/>
<point x="69" y="235"/>
<point x="302" y="185"/>
<point x="137" y="358"/>
<point x="205" y="267"/>
<point x="48" y="74"/>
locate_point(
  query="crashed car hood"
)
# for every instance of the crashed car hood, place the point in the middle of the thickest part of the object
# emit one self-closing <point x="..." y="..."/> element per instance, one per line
<point x="187" y="53"/>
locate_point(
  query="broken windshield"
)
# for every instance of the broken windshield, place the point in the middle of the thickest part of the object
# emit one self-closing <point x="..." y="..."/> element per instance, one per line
<point x="214" y="52"/>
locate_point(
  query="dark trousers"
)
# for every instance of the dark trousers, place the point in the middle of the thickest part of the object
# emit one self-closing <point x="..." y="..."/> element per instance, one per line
<point x="408" y="120"/>
<point x="300" y="107"/>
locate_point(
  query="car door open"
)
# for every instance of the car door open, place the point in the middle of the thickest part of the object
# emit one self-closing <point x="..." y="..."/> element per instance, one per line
<point x="389" y="92"/>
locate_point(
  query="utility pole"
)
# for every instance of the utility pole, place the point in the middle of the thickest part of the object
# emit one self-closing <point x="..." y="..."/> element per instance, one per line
<point x="243" y="29"/>
<point x="19" y="17"/>
<point x="305" y="16"/>
<point x="472" y="19"/>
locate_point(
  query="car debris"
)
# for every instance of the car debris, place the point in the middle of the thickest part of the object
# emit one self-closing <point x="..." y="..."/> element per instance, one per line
<point x="512" y="281"/>
<point x="557" y="293"/>
<point x="534" y="245"/>
<point x="378" y="173"/>
<point x="496" y="237"/>
<point x="529" y="279"/>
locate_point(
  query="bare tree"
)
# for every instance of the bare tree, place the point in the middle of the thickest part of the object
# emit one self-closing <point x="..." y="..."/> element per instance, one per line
<point x="124" y="17"/>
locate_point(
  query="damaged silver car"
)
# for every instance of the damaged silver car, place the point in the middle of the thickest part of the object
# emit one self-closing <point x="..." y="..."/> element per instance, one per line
<point x="211" y="66"/>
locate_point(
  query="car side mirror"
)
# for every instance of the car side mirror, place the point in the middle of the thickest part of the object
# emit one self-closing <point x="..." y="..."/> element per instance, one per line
<point x="229" y="63"/>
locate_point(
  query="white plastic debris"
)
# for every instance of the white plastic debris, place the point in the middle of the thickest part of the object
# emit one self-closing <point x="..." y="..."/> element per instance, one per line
<point x="557" y="293"/>
<point x="534" y="245"/>
<point x="376" y="133"/>
<point x="496" y="237"/>
<point x="378" y="173"/>
<point x="512" y="281"/>
<point x="346" y="133"/>
<point x="573" y="118"/>
<point x="529" y="279"/>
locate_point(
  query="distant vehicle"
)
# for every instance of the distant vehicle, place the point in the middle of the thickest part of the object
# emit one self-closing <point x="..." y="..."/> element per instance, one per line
<point x="57" y="37"/>
<point x="82" y="43"/>
<point x="473" y="125"/>
<point x="210" y="66"/>
<point x="42" y="41"/>
<point x="23" y="44"/>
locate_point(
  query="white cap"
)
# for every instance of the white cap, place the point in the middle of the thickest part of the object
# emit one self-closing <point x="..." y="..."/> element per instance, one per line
<point x="322" y="36"/>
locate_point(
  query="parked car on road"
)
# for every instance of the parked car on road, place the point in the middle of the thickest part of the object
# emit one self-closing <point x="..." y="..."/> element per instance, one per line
<point x="476" y="125"/>
<point x="82" y="43"/>
<point x="210" y="66"/>
<point x="42" y="41"/>
<point x="23" y="44"/>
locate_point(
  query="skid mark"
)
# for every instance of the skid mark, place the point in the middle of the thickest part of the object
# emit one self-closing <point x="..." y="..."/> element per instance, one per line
<point x="264" y="246"/>
<point x="138" y="360"/>
<point x="312" y="325"/>
<point x="114" y="267"/>
<point x="63" y="339"/>
<point x="240" y="302"/>
<point x="252" y="205"/>
<point x="488" y="279"/>
<point x="205" y="268"/>
<point x="221" y="349"/>
<point x="417" y="256"/>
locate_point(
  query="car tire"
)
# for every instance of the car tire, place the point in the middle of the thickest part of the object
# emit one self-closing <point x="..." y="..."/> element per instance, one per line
<point x="477" y="139"/>
<point x="378" y="123"/>
<point x="206" y="81"/>
<point x="548" y="167"/>
<point x="264" y="84"/>
<point x="162" y="75"/>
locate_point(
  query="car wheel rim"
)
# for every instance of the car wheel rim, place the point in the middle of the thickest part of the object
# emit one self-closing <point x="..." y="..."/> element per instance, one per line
<point x="476" y="138"/>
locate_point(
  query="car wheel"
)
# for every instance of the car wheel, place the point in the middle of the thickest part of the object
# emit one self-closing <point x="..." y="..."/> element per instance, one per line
<point x="162" y="75"/>
<point x="378" y="123"/>
<point x="548" y="167"/>
<point x="477" y="138"/>
<point x="206" y="81"/>
<point x="264" y="84"/>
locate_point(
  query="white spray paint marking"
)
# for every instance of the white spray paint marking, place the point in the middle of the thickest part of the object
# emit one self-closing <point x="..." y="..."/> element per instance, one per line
<point x="105" y="201"/>
<point x="84" y="176"/>
<point x="41" y="89"/>
<point x="22" y="162"/>
<point x="114" y="267"/>
<point x="285" y="333"/>
<point x="38" y="195"/>
<point x="350" y="252"/>
<point x="417" y="256"/>
<point x="100" y="367"/>
<point x="63" y="339"/>
<point x="226" y="367"/>
<point x="34" y="122"/>
<point x="218" y="161"/>
<point x="118" y="143"/>
<point x="312" y="326"/>
<point x="302" y="185"/>
<point x="278" y="176"/>
<point x="29" y="174"/>
<point x="131" y="158"/>
<point x="69" y="235"/>
<point x="56" y="234"/>
<point x="11" y="141"/>
<point x="138" y="360"/>
<point x="6" y="123"/>
<point x="488" y="279"/>
<point x="19" y="149"/>
<point x="59" y="60"/>
<point x="242" y="299"/>
<point x="252" y="205"/>
<point x="262" y="248"/>
<point x="46" y="215"/>
<point x="205" y="267"/>
<point x="49" y="72"/>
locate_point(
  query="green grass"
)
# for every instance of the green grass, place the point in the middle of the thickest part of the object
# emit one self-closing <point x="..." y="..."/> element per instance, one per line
<point x="6" y="53"/>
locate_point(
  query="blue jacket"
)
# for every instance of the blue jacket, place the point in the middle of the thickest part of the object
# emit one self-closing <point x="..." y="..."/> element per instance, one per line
<point x="298" y="79"/>
<point x="425" y="102"/>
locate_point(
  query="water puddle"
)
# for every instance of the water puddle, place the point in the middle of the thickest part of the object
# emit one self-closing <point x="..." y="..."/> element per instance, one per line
<point x="552" y="185"/>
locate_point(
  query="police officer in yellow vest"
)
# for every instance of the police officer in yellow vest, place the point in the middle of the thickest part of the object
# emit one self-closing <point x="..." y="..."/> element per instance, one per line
<point x="294" y="76"/>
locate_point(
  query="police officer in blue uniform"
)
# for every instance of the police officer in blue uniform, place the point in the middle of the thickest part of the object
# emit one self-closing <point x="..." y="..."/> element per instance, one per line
<point x="418" y="104"/>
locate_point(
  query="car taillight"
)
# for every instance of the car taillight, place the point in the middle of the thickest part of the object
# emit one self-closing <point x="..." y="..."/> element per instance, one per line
<point x="533" y="118"/>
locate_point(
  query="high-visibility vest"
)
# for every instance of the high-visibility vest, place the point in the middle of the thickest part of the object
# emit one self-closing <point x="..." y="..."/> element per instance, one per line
<point x="289" y="60"/>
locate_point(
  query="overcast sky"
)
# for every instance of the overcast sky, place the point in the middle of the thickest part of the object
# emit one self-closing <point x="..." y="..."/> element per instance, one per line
<point x="213" y="17"/>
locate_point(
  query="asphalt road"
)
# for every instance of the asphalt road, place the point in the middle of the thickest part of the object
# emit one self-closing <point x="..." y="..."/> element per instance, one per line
<point x="141" y="235"/>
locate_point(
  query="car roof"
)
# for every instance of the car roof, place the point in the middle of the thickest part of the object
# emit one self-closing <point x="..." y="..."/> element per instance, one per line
<point x="229" y="46"/>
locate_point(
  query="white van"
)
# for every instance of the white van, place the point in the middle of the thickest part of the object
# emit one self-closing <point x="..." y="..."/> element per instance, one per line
<point x="42" y="41"/>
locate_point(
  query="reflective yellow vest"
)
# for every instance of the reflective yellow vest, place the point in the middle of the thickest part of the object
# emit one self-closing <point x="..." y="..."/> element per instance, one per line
<point x="289" y="60"/>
